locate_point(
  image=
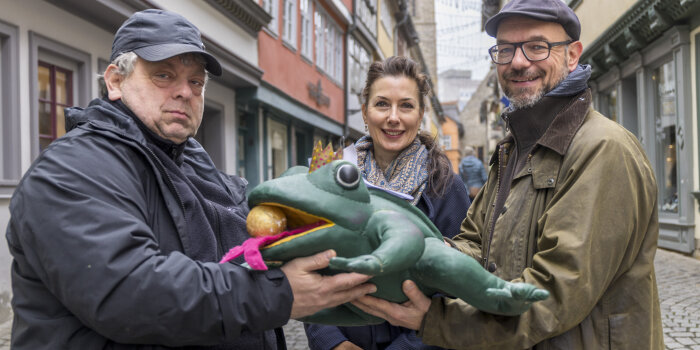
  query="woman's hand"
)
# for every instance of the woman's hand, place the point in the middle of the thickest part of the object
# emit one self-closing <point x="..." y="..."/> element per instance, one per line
<point x="408" y="315"/>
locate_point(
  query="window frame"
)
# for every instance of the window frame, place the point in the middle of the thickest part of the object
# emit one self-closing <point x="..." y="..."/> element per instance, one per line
<point x="83" y="78"/>
<point x="52" y="100"/>
<point x="10" y="156"/>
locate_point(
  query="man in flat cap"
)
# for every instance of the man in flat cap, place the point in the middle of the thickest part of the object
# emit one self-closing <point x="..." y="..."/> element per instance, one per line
<point x="117" y="227"/>
<point x="570" y="206"/>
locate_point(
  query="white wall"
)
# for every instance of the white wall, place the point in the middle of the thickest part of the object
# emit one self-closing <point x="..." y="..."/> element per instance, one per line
<point x="215" y="26"/>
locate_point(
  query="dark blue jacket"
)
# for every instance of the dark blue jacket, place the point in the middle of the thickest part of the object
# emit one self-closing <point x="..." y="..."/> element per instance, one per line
<point x="103" y="258"/>
<point x="447" y="213"/>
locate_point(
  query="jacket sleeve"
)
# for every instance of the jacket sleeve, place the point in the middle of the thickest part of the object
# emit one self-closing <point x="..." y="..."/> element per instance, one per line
<point x="469" y="238"/>
<point x="323" y="337"/>
<point x="80" y="217"/>
<point x="591" y="232"/>
<point x="448" y="211"/>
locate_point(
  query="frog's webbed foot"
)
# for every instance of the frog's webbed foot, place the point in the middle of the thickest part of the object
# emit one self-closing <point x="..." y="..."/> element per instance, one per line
<point x="365" y="264"/>
<point x="516" y="298"/>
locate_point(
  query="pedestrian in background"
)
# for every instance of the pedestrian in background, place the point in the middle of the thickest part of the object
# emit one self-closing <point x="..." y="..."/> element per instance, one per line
<point x="570" y="206"/>
<point x="398" y="157"/>
<point x="117" y="228"/>
<point x="472" y="171"/>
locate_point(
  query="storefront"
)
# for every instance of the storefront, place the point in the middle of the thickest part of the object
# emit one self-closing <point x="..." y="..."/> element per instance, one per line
<point x="642" y="78"/>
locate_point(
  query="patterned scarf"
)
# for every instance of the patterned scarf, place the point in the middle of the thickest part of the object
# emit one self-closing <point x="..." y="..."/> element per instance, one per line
<point x="407" y="174"/>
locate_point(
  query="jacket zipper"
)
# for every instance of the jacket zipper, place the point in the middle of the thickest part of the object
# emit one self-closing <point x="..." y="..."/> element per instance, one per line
<point x="492" y="222"/>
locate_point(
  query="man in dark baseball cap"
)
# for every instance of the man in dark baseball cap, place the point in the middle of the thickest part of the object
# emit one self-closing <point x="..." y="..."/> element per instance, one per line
<point x="117" y="229"/>
<point x="581" y="198"/>
<point x="155" y="35"/>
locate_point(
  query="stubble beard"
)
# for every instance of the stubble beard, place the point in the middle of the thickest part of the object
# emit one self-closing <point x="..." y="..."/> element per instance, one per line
<point x="522" y="98"/>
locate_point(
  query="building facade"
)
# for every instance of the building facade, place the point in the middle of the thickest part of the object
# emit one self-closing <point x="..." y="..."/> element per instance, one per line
<point x="301" y="99"/>
<point x="644" y="59"/>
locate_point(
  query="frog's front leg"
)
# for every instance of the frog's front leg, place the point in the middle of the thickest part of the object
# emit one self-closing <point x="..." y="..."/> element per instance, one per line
<point x="399" y="244"/>
<point x="459" y="275"/>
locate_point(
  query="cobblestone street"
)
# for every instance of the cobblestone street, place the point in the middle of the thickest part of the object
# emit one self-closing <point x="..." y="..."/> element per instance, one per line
<point x="678" y="279"/>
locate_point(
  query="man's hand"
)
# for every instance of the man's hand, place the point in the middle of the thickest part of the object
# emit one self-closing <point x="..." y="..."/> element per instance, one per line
<point x="314" y="292"/>
<point x="408" y="315"/>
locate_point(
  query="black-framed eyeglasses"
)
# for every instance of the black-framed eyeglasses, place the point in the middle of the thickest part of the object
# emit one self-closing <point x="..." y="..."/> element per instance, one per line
<point x="534" y="50"/>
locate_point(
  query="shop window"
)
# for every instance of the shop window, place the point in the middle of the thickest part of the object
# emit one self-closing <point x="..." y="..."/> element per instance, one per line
<point x="277" y="148"/>
<point x="664" y="85"/>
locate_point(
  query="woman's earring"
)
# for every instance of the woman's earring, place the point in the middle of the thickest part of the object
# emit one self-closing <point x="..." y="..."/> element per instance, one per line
<point x="366" y="128"/>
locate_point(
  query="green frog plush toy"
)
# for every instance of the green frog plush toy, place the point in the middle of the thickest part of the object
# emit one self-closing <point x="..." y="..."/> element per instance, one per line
<point x="373" y="232"/>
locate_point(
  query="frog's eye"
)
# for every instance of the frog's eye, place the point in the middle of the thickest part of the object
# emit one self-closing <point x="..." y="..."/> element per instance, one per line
<point x="347" y="176"/>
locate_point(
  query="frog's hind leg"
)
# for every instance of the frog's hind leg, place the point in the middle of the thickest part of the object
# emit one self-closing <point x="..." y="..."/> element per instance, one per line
<point x="342" y="315"/>
<point x="457" y="274"/>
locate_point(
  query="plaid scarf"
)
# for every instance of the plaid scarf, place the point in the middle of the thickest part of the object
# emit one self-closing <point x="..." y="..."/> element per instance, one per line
<point x="407" y="174"/>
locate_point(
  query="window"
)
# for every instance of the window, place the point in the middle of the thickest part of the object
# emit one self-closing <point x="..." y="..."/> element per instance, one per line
<point x="271" y="7"/>
<point x="329" y="47"/>
<point x="328" y="35"/>
<point x="60" y="76"/>
<point x="306" y="28"/>
<point x="358" y="66"/>
<point x="368" y="14"/>
<point x="55" y="94"/>
<point x="338" y="56"/>
<point x="446" y="142"/>
<point x="289" y="23"/>
<point x="665" y="117"/>
<point x="320" y="56"/>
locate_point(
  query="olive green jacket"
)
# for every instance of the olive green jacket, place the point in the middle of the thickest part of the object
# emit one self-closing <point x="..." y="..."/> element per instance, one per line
<point x="580" y="221"/>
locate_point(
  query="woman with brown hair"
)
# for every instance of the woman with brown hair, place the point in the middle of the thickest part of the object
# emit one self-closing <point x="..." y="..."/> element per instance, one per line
<point x="401" y="159"/>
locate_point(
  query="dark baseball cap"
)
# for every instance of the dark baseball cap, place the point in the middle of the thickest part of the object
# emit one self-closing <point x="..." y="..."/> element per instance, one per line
<point x="156" y="35"/>
<point x="543" y="10"/>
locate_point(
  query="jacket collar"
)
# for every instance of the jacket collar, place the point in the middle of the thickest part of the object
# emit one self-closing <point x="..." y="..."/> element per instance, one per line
<point x="118" y="118"/>
<point x="562" y="129"/>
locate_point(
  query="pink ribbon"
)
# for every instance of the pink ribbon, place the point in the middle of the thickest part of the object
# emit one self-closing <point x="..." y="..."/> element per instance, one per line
<point x="251" y="247"/>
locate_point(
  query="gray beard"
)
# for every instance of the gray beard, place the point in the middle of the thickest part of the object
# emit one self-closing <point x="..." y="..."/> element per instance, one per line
<point x="526" y="101"/>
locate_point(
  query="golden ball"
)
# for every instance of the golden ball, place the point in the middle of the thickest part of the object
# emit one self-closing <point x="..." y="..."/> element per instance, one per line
<point x="264" y="220"/>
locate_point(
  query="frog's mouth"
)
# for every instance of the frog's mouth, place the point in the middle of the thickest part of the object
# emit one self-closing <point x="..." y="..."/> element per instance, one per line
<point x="299" y="223"/>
